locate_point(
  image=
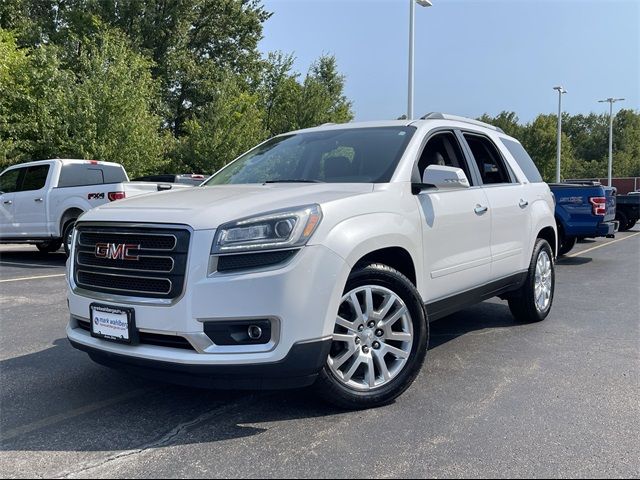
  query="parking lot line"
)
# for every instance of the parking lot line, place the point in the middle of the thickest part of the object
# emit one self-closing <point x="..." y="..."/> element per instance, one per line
<point x="577" y="254"/>
<point x="52" y="420"/>
<point x="32" y="278"/>
<point x="39" y="265"/>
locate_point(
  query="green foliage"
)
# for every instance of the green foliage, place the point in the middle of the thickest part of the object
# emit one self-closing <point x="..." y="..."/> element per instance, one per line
<point x="158" y="85"/>
<point x="231" y="124"/>
<point x="585" y="142"/>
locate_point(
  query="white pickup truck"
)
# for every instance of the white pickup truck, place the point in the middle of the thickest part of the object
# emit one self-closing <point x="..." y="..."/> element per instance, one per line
<point x="40" y="201"/>
<point x="319" y="256"/>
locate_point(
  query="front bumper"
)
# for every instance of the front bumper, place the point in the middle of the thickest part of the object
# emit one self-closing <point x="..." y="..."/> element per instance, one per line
<point x="300" y="297"/>
<point x="298" y="369"/>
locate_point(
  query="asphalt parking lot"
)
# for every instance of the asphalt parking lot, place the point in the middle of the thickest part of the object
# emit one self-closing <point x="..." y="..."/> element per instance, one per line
<point x="495" y="399"/>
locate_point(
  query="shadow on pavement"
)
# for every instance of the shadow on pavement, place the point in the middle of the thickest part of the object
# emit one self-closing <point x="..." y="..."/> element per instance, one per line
<point x="568" y="261"/>
<point x="32" y="257"/>
<point x="65" y="403"/>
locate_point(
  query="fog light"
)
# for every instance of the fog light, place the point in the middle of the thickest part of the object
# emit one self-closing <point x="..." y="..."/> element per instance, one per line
<point x="254" y="332"/>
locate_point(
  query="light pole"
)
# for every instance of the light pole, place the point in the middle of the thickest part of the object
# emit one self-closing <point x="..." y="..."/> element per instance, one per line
<point x="412" y="23"/>
<point x="611" y="101"/>
<point x="561" y="91"/>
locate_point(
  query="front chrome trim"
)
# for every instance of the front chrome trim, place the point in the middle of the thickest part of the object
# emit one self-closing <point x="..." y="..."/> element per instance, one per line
<point x="130" y="299"/>
<point x="126" y="276"/>
<point x="175" y="240"/>
<point x="173" y="264"/>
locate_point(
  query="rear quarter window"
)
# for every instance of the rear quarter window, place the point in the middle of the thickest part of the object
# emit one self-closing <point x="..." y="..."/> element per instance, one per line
<point x="524" y="161"/>
<point x="80" y="175"/>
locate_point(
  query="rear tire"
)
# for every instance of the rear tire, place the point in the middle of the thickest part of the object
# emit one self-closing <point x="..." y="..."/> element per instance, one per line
<point x="532" y="302"/>
<point x="621" y="217"/>
<point x="380" y="340"/>
<point x="566" y="244"/>
<point x="49" y="247"/>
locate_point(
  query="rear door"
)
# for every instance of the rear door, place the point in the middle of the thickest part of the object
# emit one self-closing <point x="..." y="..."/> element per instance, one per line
<point x="9" y="181"/>
<point x="509" y="204"/>
<point x="31" y="202"/>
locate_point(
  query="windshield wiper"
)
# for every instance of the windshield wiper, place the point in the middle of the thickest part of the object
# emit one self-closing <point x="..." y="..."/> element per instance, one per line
<point x="294" y="180"/>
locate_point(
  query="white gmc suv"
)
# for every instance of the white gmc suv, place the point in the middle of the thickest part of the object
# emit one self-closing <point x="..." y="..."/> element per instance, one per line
<point x="319" y="257"/>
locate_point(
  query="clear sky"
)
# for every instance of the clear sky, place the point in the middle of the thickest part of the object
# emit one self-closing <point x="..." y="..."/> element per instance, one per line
<point x="472" y="57"/>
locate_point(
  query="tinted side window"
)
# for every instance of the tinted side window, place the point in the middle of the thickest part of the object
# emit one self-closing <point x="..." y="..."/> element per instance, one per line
<point x="9" y="180"/>
<point x="524" y="160"/>
<point x="490" y="163"/>
<point x="443" y="149"/>
<point x="35" y="178"/>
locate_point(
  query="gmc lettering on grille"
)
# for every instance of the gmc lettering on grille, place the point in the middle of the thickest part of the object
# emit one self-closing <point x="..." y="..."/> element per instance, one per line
<point x="115" y="251"/>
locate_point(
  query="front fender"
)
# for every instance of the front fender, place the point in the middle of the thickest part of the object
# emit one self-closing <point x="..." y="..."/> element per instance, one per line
<point x="358" y="236"/>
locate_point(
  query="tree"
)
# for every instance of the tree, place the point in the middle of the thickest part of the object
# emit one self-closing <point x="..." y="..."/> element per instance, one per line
<point x="322" y="98"/>
<point x="110" y="108"/>
<point x="103" y="110"/>
<point x="230" y="125"/>
<point x="507" y="121"/>
<point x="540" y="139"/>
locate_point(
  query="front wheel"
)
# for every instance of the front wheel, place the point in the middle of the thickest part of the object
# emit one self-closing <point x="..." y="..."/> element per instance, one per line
<point x="532" y="302"/>
<point x="379" y="342"/>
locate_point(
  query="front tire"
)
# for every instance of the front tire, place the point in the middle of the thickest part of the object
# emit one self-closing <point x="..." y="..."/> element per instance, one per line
<point x="67" y="236"/>
<point x="380" y="340"/>
<point x="532" y="302"/>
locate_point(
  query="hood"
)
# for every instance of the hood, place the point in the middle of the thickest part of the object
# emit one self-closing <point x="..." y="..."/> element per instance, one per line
<point x="207" y="207"/>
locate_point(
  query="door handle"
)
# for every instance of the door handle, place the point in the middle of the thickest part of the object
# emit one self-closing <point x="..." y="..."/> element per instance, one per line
<point x="480" y="209"/>
<point x="38" y="200"/>
<point x="523" y="203"/>
<point x="8" y="202"/>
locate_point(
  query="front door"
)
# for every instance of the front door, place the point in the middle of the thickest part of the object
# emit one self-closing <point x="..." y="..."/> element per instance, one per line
<point x="456" y="225"/>
<point x="8" y="185"/>
<point x="30" y="203"/>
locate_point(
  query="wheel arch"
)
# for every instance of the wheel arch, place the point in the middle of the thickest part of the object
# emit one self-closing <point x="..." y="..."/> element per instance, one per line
<point x="71" y="213"/>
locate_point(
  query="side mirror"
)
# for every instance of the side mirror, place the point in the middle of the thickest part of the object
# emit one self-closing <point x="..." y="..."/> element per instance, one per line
<point x="445" y="177"/>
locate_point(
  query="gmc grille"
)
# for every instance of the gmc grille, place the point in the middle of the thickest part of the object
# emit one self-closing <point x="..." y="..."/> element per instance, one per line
<point x="154" y="270"/>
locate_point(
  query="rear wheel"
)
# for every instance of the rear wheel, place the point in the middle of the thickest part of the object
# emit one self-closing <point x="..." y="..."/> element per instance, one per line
<point x="532" y="302"/>
<point x="49" y="247"/>
<point x="379" y="341"/>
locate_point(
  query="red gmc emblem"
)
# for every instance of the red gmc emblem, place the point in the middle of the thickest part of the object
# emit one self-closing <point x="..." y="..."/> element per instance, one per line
<point x="115" y="251"/>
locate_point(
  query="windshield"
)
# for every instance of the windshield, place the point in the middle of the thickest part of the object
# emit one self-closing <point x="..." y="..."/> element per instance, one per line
<point x="352" y="155"/>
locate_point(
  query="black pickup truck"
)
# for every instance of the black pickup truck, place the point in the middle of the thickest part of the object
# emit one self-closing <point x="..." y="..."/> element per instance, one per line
<point x="627" y="210"/>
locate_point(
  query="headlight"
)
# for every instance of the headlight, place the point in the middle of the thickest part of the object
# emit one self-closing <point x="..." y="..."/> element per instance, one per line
<point x="286" y="228"/>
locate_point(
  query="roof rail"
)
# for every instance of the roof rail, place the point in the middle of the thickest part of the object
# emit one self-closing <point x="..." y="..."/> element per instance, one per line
<point x="446" y="116"/>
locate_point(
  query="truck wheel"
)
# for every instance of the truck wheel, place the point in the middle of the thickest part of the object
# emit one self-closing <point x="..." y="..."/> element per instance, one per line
<point x="67" y="235"/>
<point x="624" y="222"/>
<point x="380" y="340"/>
<point x="49" y="247"/>
<point x="532" y="302"/>
<point x="566" y="244"/>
